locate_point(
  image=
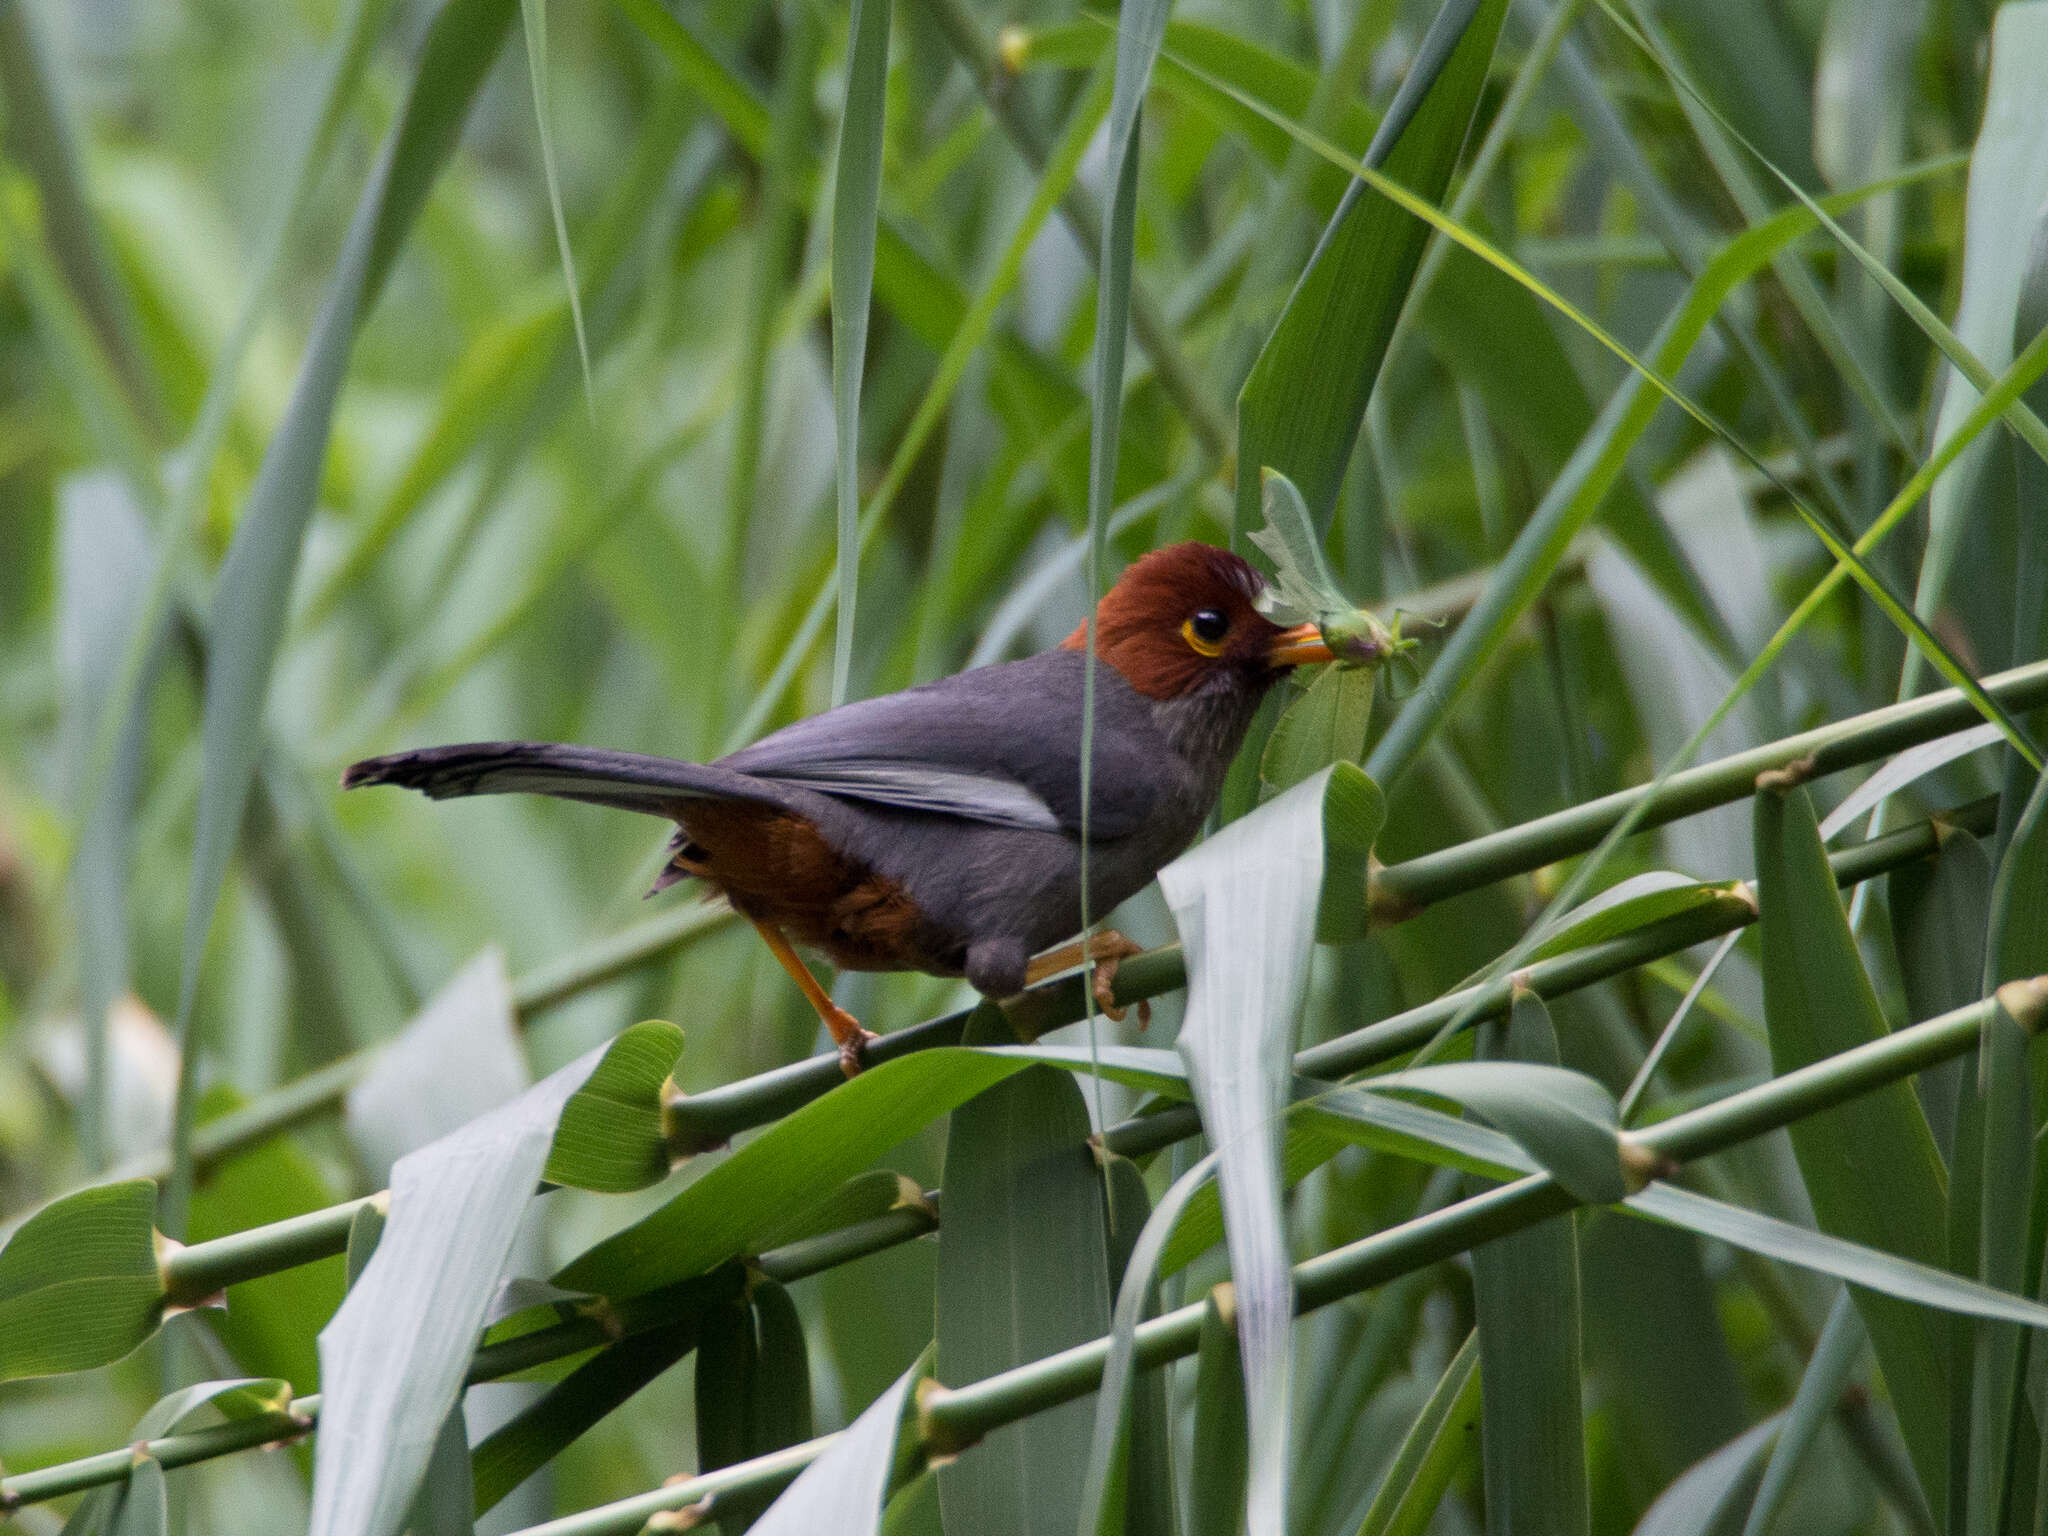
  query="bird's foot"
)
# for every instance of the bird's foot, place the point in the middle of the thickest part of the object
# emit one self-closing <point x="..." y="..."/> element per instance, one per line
<point x="852" y="1039"/>
<point x="1106" y="949"/>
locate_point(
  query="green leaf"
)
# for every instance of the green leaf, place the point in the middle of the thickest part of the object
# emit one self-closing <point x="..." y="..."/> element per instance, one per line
<point x="255" y="580"/>
<point x="1564" y="1120"/>
<point x="393" y="1359"/>
<point x="843" y="1490"/>
<point x="610" y="1136"/>
<point x="726" y="1212"/>
<point x="269" y="1322"/>
<point x="2008" y="184"/>
<point x="1246" y="902"/>
<point x="1326" y="725"/>
<point x="534" y="15"/>
<point x="1301" y="406"/>
<point x="446" y="1505"/>
<point x="1525" y="1291"/>
<point x="1023" y="1273"/>
<point x="1354" y="810"/>
<point x="1636" y="903"/>
<point x="1438" y="1442"/>
<point x="1107" y="1508"/>
<point x="856" y="201"/>
<point x="861" y="1198"/>
<point x="144" y="1506"/>
<point x="1218" y="1460"/>
<point x="1817" y="1003"/>
<point x="782" y="1388"/>
<point x="79" y="1284"/>
<point x="1151" y="1507"/>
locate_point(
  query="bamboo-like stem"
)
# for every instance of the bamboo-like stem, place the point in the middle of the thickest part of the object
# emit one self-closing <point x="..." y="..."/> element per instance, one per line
<point x="492" y="1362"/>
<point x="199" y="1271"/>
<point x="952" y="1419"/>
<point x="1399" y="890"/>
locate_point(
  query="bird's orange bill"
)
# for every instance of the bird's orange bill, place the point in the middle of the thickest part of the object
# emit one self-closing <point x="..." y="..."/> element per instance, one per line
<point x="1300" y="646"/>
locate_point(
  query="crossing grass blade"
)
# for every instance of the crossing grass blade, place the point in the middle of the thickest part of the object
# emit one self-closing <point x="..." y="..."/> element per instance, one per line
<point x="1821" y="1384"/>
<point x="1023" y="1273"/>
<point x="534" y="16"/>
<point x="856" y="205"/>
<point x="1301" y="406"/>
<point x="1707" y="1499"/>
<point x="393" y="1358"/>
<point x="1526" y="1302"/>
<point x="1437" y="1444"/>
<point x="255" y="580"/>
<point x="1818" y="1001"/>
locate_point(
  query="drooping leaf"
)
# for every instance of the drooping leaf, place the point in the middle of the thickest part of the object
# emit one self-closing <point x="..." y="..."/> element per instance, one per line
<point x="855" y="207"/>
<point x="255" y="580"/>
<point x="1817" y="1002"/>
<point x="79" y="1283"/>
<point x="1023" y="1273"/>
<point x="392" y="1360"/>
<point x="1526" y="1300"/>
<point x="1437" y="1443"/>
<point x="1712" y="1497"/>
<point x="610" y="1136"/>
<point x="1301" y="406"/>
<point x="843" y="1489"/>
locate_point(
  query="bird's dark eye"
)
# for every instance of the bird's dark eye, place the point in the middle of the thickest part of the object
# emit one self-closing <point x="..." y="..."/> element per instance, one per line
<point x="1205" y="631"/>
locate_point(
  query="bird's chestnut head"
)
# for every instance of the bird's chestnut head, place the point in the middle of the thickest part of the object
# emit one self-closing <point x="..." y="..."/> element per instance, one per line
<point x="1181" y="621"/>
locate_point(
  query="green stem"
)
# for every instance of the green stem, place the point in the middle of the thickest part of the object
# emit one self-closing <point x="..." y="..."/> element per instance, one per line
<point x="951" y="1420"/>
<point x="492" y="1362"/>
<point x="196" y="1272"/>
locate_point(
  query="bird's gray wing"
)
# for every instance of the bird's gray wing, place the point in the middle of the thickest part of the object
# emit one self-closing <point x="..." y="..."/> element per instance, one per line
<point x="1000" y="744"/>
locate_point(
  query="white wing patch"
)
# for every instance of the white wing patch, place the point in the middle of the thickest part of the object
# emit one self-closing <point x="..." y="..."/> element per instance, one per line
<point x="978" y="797"/>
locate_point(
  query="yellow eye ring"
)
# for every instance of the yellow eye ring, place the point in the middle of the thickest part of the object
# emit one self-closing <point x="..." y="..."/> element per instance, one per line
<point x="1196" y="643"/>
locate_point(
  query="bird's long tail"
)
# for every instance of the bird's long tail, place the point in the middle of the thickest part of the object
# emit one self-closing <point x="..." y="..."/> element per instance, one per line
<point x="628" y="781"/>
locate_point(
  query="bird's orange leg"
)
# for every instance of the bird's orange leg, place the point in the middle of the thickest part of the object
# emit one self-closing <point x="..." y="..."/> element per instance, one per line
<point x="1106" y="949"/>
<point x="846" y="1030"/>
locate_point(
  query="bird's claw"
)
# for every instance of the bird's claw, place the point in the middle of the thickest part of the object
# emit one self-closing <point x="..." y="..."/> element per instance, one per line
<point x="853" y="1047"/>
<point x="1104" y="988"/>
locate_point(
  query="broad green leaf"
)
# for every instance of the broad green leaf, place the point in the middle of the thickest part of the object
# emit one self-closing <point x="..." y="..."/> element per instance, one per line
<point x="861" y="1198"/>
<point x="79" y="1284"/>
<point x="2008" y="185"/>
<point x="1818" y="1002"/>
<point x="843" y="1490"/>
<point x="101" y="1509"/>
<point x="459" y="1058"/>
<point x="1219" y="1470"/>
<point x="1430" y="1454"/>
<point x="726" y="1212"/>
<point x="1245" y="902"/>
<point x="392" y="1361"/>
<point x="1326" y="725"/>
<point x="1023" y="1273"/>
<point x="269" y="1322"/>
<point x="728" y="1359"/>
<point x="1107" y="1508"/>
<point x="1940" y="912"/>
<point x="856" y="202"/>
<point x="1151" y="1507"/>
<point x="1301" y="406"/>
<point x="610" y="1136"/>
<point x="1636" y="903"/>
<point x="1565" y="1120"/>
<point x="782" y="1394"/>
<point x="1526" y="1302"/>
<point x="255" y="580"/>
<point x="446" y="1504"/>
<point x="1354" y="810"/>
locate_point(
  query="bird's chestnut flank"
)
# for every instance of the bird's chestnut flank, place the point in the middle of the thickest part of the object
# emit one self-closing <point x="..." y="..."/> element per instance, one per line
<point x="939" y="829"/>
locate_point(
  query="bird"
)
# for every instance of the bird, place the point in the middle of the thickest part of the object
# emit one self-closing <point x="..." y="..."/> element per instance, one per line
<point x="939" y="829"/>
